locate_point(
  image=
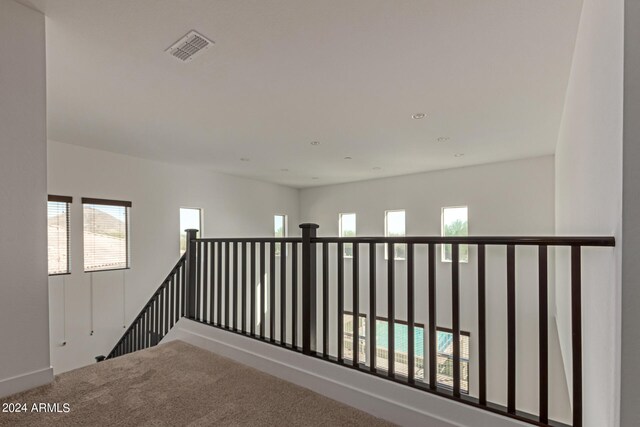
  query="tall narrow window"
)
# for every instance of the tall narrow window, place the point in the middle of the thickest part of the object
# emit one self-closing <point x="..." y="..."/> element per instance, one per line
<point x="279" y="229"/>
<point x="190" y="218"/>
<point x="58" y="234"/>
<point x="394" y="226"/>
<point x="455" y="223"/>
<point x="106" y="234"/>
<point x="347" y="228"/>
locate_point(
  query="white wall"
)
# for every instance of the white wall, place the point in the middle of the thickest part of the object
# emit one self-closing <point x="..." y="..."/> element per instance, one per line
<point x="588" y="200"/>
<point x="232" y="207"/>
<point x="630" y="398"/>
<point x="510" y="198"/>
<point x="24" y="354"/>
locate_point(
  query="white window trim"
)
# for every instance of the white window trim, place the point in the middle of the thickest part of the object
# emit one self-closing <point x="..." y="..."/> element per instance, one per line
<point x="286" y="223"/>
<point x="386" y="246"/>
<point x="200" y="227"/>
<point x="127" y="237"/>
<point x="68" y="222"/>
<point x="344" y="255"/>
<point x="442" y="258"/>
<point x="286" y="230"/>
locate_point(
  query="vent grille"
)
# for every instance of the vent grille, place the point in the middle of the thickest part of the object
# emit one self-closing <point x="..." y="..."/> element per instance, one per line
<point x="189" y="46"/>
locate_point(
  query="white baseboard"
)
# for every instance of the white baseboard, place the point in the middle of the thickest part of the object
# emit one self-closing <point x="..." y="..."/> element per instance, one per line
<point x="13" y="385"/>
<point x="384" y="399"/>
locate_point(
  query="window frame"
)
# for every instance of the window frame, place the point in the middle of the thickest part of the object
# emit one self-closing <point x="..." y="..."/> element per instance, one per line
<point x="110" y="202"/>
<point x="466" y="334"/>
<point x="340" y="229"/>
<point x="442" y="230"/>
<point x="285" y="225"/>
<point x="67" y="200"/>
<point x="386" y="234"/>
<point x="416" y="325"/>
<point x="285" y="231"/>
<point x="200" y="225"/>
<point x="362" y="316"/>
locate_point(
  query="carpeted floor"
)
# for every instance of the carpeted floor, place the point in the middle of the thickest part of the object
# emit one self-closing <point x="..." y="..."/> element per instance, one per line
<point x="177" y="384"/>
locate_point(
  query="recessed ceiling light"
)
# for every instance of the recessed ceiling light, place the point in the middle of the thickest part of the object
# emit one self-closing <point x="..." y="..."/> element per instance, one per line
<point x="244" y="159"/>
<point x="458" y="155"/>
<point x="348" y="158"/>
<point x="315" y="142"/>
<point x="443" y="139"/>
<point x="284" y="170"/>
<point x="377" y="168"/>
<point x="419" y="116"/>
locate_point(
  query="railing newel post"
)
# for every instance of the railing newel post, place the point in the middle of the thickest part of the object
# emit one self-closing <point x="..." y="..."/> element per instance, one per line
<point x="191" y="273"/>
<point x="309" y="231"/>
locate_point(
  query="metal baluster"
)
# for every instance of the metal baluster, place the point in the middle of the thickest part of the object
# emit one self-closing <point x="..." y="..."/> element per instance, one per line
<point x="433" y="331"/>
<point x="576" y="333"/>
<point x="391" y="309"/>
<point x="340" y="302"/>
<point x="410" y="313"/>
<point x="325" y="299"/>
<point x="482" y="326"/>
<point x="272" y="292"/>
<point x="511" y="329"/>
<point x="372" y="308"/>
<point x="543" y="334"/>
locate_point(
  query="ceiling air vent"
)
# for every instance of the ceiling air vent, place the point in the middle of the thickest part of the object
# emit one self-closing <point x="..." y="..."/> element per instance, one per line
<point x="189" y="46"/>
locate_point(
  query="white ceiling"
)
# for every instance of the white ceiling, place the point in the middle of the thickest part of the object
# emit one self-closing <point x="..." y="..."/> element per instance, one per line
<point x="490" y="75"/>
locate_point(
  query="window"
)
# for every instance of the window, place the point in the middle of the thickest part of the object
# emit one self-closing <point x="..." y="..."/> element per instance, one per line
<point x="394" y="226"/>
<point x="347" y="228"/>
<point x="455" y="223"/>
<point x="106" y="234"/>
<point x="444" y="344"/>
<point x="279" y="229"/>
<point x="190" y="218"/>
<point x="348" y="337"/>
<point x="401" y="347"/>
<point x="58" y="234"/>
<point x="445" y="359"/>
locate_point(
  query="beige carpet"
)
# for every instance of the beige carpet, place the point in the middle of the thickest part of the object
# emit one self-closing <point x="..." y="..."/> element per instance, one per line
<point x="178" y="384"/>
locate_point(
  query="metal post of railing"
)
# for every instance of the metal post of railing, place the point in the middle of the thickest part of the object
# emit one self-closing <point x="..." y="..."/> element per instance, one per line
<point x="191" y="273"/>
<point x="308" y="288"/>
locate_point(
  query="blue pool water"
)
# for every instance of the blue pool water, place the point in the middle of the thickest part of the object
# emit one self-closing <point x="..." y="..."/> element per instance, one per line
<point x="402" y="338"/>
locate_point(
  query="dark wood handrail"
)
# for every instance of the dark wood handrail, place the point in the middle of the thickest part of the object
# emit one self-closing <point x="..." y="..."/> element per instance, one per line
<point x="479" y="240"/>
<point x="599" y="241"/>
<point x="145" y="308"/>
<point x="251" y="239"/>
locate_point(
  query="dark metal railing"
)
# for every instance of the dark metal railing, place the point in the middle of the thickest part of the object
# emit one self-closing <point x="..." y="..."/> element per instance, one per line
<point x="158" y="316"/>
<point x="266" y="289"/>
<point x="234" y="286"/>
